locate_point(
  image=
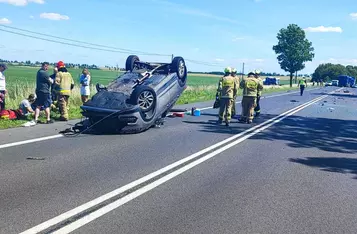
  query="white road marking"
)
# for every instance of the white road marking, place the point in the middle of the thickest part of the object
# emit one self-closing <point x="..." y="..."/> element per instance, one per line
<point x="30" y="141"/>
<point x="109" y="207"/>
<point x="102" y="211"/>
<point x="60" y="135"/>
<point x="263" y="97"/>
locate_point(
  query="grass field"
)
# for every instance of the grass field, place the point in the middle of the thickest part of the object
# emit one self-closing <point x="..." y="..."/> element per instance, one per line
<point x="21" y="81"/>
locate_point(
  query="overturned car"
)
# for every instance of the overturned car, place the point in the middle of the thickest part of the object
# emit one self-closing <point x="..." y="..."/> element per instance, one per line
<point x="139" y="98"/>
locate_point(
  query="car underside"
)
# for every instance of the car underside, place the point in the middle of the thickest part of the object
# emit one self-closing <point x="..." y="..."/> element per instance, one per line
<point x="138" y="99"/>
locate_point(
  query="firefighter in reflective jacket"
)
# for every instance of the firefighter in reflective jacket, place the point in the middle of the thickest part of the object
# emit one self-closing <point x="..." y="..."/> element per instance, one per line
<point x="65" y="84"/>
<point x="259" y="94"/>
<point x="251" y="86"/>
<point x="302" y="84"/>
<point x="227" y="90"/>
<point x="234" y="74"/>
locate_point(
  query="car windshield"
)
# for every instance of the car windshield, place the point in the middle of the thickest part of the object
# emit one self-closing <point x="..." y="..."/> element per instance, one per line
<point x="124" y="83"/>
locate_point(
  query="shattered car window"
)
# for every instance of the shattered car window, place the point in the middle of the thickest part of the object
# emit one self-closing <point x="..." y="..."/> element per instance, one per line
<point x="124" y="83"/>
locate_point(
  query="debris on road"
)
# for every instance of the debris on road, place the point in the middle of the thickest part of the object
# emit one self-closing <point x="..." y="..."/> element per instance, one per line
<point x="293" y="101"/>
<point x="179" y="114"/>
<point x="35" y="158"/>
<point x="178" y="110"/>
<point x="331" y="109"/>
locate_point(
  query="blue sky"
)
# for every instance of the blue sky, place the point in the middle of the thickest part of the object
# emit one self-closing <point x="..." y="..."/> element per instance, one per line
<point x="220" y="33"/>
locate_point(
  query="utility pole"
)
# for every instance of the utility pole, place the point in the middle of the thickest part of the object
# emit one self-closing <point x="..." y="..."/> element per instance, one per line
<point x="117" y="70"/>
<point x="296" y="77"/>
<point x="172" y="57"/>
<point x="243" y="71"/>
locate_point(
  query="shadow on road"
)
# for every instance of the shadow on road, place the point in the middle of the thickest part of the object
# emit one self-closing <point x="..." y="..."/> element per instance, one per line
<point x="211" y="126"/>
<point x="337" y="165"/>
<point x="332" y="135"/>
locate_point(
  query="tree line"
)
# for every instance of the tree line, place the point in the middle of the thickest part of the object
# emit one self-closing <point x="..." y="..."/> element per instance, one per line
<point x="329" y="71"/>
<point x="29" y="63"/>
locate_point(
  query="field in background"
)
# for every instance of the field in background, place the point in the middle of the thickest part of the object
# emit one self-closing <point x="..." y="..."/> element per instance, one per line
<point x="21" y="81"/>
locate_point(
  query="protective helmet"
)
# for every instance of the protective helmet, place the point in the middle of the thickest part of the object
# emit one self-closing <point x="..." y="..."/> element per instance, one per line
<point x="257" y="72"/>
<point x="251" y="73"/>
<point x="60" y="64"/>
<point x="228" y="70"/>
<point x="234" y="70"/>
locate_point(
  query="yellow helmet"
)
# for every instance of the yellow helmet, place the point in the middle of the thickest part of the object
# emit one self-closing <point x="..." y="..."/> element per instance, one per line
<point x="228" y="70"/>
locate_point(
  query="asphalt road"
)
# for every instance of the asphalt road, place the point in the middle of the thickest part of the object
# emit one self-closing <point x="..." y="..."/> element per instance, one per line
<point x="293" y="173"/>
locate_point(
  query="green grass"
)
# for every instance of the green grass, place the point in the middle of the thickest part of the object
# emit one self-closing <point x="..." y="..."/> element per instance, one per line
<point x="21" y="81"/>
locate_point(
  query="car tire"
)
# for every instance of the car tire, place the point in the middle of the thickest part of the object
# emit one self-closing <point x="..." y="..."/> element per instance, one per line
<point x="146" y="98"/>
<point x="178" y="65"/>
<point x="130" y="62"/>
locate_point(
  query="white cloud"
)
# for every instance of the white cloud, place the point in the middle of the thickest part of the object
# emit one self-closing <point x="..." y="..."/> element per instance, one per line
<point x="32" y="17"/>
<point x="37" y="1"/>
<point x="21" y="2"/>
<point x="353" y="16"/>
<point x="54" y="16"/>
<point x="5" y="21"/>
<point x="323" y="29"/>
<point x="219" y="60"/>
<point x="237" y="38"/>
<point x="259" y="60"/>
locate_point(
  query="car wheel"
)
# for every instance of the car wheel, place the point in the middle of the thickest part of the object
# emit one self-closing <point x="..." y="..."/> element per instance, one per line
<point x="145" y="97"/>
<point x="130" y="62"/>
<point x="178" y="65"/>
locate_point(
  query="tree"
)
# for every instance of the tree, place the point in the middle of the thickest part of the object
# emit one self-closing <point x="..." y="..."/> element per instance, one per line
<point x="293" y="49"/>
<point x="329" y="71"/>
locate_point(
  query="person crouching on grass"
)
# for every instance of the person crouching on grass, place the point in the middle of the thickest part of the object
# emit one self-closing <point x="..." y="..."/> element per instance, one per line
<point x="84" y="80"/>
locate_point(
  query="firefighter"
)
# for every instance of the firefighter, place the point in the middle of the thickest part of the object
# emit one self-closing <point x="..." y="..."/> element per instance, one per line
<point x="234" y="74"/>
<point x="302" y="84"/>
<point x="227" y="89"/>
<point x="65" y="85"/>
<point x="259" y="93"/>
<point x="251" y="86"/>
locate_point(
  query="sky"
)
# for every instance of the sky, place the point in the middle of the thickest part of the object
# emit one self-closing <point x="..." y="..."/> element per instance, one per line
<point x="216" y="33"/>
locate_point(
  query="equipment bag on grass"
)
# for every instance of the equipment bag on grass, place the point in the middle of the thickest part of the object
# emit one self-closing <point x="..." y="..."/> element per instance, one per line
<point x="10" y="114"/>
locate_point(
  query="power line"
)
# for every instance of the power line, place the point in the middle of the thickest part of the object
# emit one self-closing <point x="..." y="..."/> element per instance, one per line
<point x="71" y="44"/>
<point x="110" y="49"/>
<point x="77" y="41"/>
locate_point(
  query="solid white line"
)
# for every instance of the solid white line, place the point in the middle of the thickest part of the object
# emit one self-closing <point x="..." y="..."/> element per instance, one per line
<point x="263" y="97"/>
<point x="30" y="141"/>
<point x="102" y="211"/>
<point x="120" y="190"/>
<point x="60" y="135"/>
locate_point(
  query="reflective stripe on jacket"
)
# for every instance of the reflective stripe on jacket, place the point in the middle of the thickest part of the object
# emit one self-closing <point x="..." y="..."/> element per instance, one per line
<point x="228" y="87"/>
<point x="65" y="82"/>
<point x="251" y="86"/>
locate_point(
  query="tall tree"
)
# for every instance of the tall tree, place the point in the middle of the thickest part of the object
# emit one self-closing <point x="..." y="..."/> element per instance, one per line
<point x="293" y="49"/>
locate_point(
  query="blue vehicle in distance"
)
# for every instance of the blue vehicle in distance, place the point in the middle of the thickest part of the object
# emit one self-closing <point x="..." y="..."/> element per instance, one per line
<point x="346" y="81"/>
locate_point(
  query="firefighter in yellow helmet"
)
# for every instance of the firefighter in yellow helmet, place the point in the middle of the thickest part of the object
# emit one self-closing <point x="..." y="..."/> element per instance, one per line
<point x="251" y="86"/>
<point x="65" y="84"/>
<point x="259" y="93"/>
<point x="234" y="74"/>
<point x="227" y="90"/>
